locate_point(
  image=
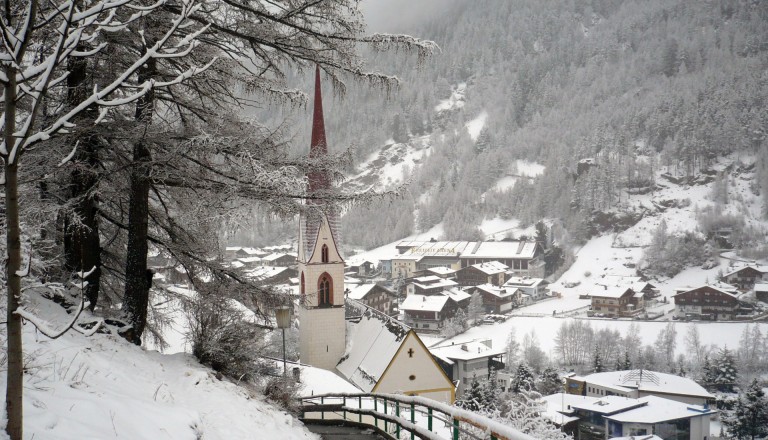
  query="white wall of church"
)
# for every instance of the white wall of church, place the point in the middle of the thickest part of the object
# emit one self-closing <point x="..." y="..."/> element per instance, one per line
<point x="322" y="336"/>
<point x="419" y="374"/>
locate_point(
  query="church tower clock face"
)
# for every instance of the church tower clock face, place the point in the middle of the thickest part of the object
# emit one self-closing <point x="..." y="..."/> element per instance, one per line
<point x="322" y="331"/>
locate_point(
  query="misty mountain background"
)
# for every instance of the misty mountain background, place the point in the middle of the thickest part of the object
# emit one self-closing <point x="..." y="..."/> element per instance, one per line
<point x="636" y="86"/>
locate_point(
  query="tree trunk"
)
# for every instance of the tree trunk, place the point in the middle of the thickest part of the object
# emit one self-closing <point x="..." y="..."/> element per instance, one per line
<point x="82" y="250"/>
<point x="15" y="374"/>
<point x="137" y="276"/>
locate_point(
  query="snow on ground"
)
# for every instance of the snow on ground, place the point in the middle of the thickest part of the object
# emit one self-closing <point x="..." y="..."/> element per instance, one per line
<point x="103" y="387"/>
<point x="455" y="101"/>
<point x="720" y="334"/>
<point x="497" y="228"/>
<point x="390" y="165"/>
<point x="505" y="183"/>
<point x="528" y="169"/>
<point x="476" y="125"/>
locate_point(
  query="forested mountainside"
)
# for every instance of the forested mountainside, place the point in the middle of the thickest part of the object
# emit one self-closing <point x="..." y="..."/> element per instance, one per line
<point x="640" y="87"/>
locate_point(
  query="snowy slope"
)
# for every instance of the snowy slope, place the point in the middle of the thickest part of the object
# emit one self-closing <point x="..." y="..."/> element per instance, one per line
<point x="103" y="387"/>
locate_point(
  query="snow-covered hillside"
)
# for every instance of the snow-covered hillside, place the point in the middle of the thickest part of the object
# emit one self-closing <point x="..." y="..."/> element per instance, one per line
<point x="103" y="387"/>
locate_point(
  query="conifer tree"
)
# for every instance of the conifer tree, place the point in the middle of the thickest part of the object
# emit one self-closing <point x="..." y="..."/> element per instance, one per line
<point x="724" y="371"/>
<point x="749" y="417"/>
<point x="597" y="362"/>
<point x="523" y="379"/>
<point x="550" y="382"/>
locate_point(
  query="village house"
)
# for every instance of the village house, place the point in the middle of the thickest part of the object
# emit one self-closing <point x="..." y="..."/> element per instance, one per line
<point x="745" y="277"/>
<point x="279" y="259"/>
<point x="385" y="356"/>
<point x="428" y="285"/>
<point x="459" y="296"/>
<point x="491" y="272"/>
<point x="374" y="296"/>
<point x="364" y="268"/>
<point x="615" y="417"/>
<point x="427" y="313"/>
<point x="616" y="301"/>
<point x="521" y="257"/>
<point x="466" y="361"/>
<point x="761" y="292"/>
<point x="498" y="300"/>
<point x="272" y="275"/>
<point x="535" y="288"/>
<point x="708" y="303"/>
<point x="638" y="383"/>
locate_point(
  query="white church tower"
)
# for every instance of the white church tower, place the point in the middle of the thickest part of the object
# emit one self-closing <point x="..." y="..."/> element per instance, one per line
<point x="322" y="331"/>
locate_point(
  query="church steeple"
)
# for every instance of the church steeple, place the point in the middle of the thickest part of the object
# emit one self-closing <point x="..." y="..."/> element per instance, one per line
<point x="318" y="147"/>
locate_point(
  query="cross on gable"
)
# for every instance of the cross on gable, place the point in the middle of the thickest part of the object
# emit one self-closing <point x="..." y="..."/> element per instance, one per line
<point x="410" y="352"/>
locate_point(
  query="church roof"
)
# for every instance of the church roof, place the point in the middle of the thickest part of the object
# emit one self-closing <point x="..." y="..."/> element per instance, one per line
<point x="372" y="341"/>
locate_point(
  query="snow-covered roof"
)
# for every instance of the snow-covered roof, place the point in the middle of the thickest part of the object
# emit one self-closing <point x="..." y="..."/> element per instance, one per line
<point x="467" y="350"/>
<point x="657" y="409"/>
<point x="456" y="294"/>
<point x="610" y="292"/>
<point x="426" y="303"/>
<point x="437" y="283"/>
<point x="468" y="249"/>
<point x="608" y="404"/>
<point x="759" y="268"/>
<point x="441" y="270"/>
<point x="761" y="287"/>
<point x="639" y="437"/>
<point x="648" y="381"/>
<point x="358" y="292"/>
<point x="278" y="255"/>
<point x="559" y="403"/>
<point x="491" y="267"/>
<point x="681" y="290"/>
<point x="372" y="342"/>
<point x="523" y="282"/>
<point x="427" y="279"/>
<point x="500" y="292"/>
<point x="247" y="260"/>
<point x="266" y="272"/>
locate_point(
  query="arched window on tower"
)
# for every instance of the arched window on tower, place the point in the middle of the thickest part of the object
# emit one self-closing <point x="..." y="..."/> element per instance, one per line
<point x="324" y="253"/>
<point x="324" y="291"/>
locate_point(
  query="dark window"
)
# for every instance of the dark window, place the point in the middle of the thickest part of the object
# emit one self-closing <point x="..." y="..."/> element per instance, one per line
<point x="324" y="289"/>
<point x="302" y="288"/>
<point x="324" y="254"/>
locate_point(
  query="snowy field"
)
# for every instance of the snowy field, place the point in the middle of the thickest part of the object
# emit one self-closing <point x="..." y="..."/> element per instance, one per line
<point x="103" y="387"/>
<point x="475" y="126"/>
<point x="719" y="334"/>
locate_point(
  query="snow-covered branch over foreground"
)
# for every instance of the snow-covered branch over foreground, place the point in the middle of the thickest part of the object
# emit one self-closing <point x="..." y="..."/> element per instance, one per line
<point x="37" y="80"/>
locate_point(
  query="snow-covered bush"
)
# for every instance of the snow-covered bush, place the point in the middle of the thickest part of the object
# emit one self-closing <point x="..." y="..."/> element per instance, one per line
<point x="283" y="391"/>
<point x="222" y="336"/>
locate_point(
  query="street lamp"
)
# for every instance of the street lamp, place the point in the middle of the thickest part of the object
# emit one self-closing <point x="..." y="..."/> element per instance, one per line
<point x="283" y="317"/>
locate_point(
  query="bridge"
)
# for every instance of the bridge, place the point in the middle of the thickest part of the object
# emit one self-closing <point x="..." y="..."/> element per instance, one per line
<point x="394" y="416"/>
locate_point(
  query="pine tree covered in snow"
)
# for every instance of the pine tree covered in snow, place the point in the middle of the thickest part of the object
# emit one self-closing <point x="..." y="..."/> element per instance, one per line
<point x="473" y="398"/>
<point x="523" y="379"/>
<point x="707" y="373"/>
<point x="549" y="382"/>
<point x="724" y="371"/>
<point x="749" y="417"/>
<point x="597" y="362"/>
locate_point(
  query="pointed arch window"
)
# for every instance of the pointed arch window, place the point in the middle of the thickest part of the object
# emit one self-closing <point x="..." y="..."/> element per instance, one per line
<point x="325" y="291"/>
<point x="324" y="253"/>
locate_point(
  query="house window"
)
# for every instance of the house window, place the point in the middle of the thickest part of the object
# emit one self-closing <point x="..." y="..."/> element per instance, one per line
<point x="324" y="289"/>
<point x="324" y="253"/>
<point x="302" y="289"/>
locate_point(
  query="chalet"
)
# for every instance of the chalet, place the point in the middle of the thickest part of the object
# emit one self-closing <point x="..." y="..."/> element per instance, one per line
<point x="497" y="299"/>
<point x="428" y="285"/>
<point x="272" y="275"/>
<point x="535" y="288"/>
<point x="385" y="356"/>
<point x="706" y="302"/>
<point x="249" y="262"/>
<point x="638" y="383"/>
<point x="427" y="313"/>
<point x="364" y="268"/>
<point x="637" y="284"/>
<point x="761" y="292"/>
<point x="279" y="259"/>
<point x="460" y="297"/>
<point x="442" y="272"/>
<point x="617" y="417"/>
<point x="745" y="277"/>
<point x="374" y="296"/>
<point x="491" y="272"/>
<point x="465" y="361"/>
<point x="616" y="301"/>
<point x="521" y="257"/>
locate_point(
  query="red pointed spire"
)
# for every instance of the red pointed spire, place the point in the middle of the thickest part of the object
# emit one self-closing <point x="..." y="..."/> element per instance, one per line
<point x="318" y="147"/>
